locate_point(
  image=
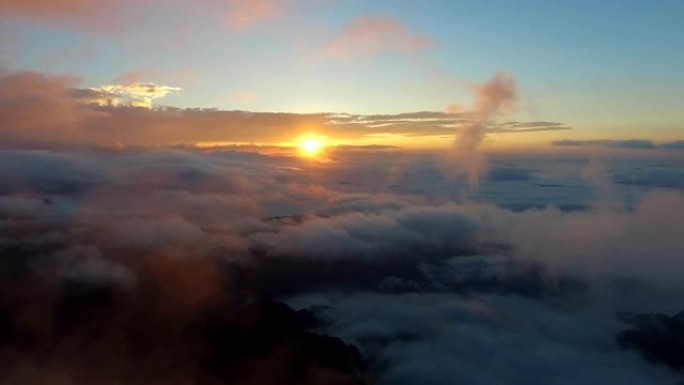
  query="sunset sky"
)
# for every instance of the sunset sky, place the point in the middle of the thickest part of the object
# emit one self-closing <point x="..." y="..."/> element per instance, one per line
<point x="608" y="70"/>
<point x="341" y="192"/>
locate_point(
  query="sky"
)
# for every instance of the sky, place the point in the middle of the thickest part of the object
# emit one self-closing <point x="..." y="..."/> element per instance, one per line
<point x="608" y="70"/>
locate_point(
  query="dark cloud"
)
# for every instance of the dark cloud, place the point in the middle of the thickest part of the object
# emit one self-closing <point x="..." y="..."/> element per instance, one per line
<point x="507" y="174"/>
<point x="652" y="177"/>
<point x="676" y="145"/>
<point x="447" y="338"/>
<point x="659" y="338"/>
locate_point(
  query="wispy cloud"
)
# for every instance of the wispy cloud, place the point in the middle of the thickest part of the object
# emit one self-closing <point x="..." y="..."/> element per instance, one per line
<point x="86" y="13"/>
<point x="243" y="14"/>
<point x="491" y="99"/>
<point x="637" y="144"/>
<point x="239" y="14"/>
<point x="369" y="36"/>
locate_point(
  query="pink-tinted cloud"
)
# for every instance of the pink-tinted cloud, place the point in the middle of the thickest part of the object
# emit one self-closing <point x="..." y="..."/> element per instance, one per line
<point x="242" y="14"/>
<point x="41" y="110"/>
<point x="493" y="97"/>
<point x="46" y="7"/>
<point x="95" y="14"/>
<point x="36" y="106"/>
<point x="90" y="13"/>
<point x="370" y="36"/>
<point x="132" y="77"/>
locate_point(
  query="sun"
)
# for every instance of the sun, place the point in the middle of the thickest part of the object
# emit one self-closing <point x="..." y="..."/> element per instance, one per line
<point x="311" y="146"/>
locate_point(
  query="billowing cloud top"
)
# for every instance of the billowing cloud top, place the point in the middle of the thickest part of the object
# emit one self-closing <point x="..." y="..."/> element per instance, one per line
<point x="135" y="94"/>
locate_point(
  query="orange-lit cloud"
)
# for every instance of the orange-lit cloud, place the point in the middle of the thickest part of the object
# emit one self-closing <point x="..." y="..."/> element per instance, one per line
<point x="38" y="110"/>
<point x="36" y="106"/>
<point x="136" y="94"/>
<point x="370" y="36"/>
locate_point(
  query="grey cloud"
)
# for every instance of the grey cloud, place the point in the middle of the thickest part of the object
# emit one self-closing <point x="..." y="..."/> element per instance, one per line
<point x="651" y="177"/>
<point x="639" y="144"/>
<point x="676" y="145"/>
<point x="504" y="174"/>
<point x="447" y="338"/>
<point x="659" y="338"/>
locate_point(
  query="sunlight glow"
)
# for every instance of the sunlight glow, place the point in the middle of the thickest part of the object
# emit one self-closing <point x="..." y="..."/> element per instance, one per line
<point x="311" y="147"/>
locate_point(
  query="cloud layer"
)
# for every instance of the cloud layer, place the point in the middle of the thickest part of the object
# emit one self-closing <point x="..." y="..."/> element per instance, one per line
<point x="636" y="144"/>
<point x="430" y="288"/>
<point x="116" y="115"/>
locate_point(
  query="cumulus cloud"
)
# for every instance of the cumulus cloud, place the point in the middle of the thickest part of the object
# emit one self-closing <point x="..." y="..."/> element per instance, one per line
<point x="370" y="36"/>
<point x="37" y="106"/>
<point x="134" y="94"/>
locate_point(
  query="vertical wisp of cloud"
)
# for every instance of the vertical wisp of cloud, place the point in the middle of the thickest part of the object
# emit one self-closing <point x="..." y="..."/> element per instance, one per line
<point x="492" y="98"/>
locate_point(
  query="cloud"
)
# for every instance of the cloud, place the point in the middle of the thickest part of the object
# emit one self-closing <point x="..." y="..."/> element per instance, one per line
<point x="632" y="143"/>
<point x="49" y="7"/>
<point x="676" y="145"/>
<point x="368" y="36"/>
<point x="83" y="13"/>
<point x="243" y="14"/>
<point x="33" y="105"/>
<point x="666" y="177"/>
<point x="93" y="14"/>
<point x="427" y="123"/>
<point x="637" y="144"/>
<point x="512" y="127"/>
<point x="491" y="99"/>
<point x="448" y="338"/>
<point x="135" y="94"/>
<point x="175" y="244"/>
<point x="507" y="174"/>
<point x="112" y="116"/>
<point x="659" y="338"/>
